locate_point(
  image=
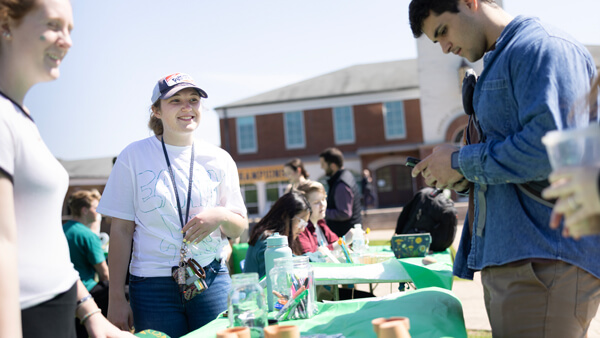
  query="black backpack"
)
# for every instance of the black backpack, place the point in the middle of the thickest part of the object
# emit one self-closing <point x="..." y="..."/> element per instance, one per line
<point x="429" y="211"/>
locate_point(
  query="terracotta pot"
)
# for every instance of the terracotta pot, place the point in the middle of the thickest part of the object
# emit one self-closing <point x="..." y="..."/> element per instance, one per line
<point x="377" y="322"/>
<point x="282" y="331"/>
<point x="234" y="332"/>
<point x="393" y="329"/>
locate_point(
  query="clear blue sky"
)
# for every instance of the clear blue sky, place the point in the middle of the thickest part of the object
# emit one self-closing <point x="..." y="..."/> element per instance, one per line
<point x="234" y="49"/>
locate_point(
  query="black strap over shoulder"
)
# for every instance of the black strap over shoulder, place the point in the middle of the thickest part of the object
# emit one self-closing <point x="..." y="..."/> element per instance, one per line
<point x="534" y="189"/>
<point x="468" y="88"/>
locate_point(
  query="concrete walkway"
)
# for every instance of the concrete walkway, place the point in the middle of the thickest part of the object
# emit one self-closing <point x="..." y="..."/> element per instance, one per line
<point x="470" y="293"/>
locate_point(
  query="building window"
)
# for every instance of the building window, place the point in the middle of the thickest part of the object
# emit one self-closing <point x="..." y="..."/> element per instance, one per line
<point x="294" y="130"/>
<point x="274" y="191"/>
<point x="250" y="198"/>
<point x="343" y="125"/>
<point x="393" y="119"/>
<point x="246" y="134"/>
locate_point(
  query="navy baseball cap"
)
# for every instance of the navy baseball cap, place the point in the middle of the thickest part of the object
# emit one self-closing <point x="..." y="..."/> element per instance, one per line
<point x="171" y="84"/>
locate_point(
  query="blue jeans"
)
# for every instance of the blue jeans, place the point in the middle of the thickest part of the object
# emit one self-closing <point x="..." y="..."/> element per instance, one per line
<point x="158" y="304"/>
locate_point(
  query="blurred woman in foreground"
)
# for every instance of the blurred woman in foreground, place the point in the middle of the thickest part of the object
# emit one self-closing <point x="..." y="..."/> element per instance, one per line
<point x="40" y="291"/>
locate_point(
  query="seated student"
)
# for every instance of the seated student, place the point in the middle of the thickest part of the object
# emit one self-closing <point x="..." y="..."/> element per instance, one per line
<point x="318" y="237"/>
<point x="317" y="234"/>
<point x="85" y="249"/>
<point x="289" y="217"/>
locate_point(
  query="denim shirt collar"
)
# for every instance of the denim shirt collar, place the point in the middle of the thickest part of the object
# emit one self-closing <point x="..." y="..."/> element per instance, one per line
<point x="507" y="34"/>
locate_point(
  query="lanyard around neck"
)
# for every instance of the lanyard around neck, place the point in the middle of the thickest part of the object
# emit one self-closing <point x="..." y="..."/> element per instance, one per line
<point x="189" y="195"/>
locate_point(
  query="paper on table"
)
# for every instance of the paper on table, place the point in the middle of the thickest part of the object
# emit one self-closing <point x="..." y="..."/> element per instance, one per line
<point x="390" y="270"/>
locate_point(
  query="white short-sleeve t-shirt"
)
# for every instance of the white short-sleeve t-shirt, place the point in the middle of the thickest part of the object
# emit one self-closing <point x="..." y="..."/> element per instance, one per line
<point x="139" y="189"/>
<point x="39" y="186"/>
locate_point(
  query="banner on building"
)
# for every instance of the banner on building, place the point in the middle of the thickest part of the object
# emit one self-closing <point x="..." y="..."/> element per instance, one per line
<point x="261" y="174"/>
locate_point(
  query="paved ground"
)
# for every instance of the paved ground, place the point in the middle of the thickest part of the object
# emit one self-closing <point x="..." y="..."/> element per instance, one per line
<point x="470" y="294"/>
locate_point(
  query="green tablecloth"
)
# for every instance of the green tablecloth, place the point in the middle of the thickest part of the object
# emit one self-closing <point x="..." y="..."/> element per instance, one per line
<point x="433" y="312"/>
<point x="438" y="274"/>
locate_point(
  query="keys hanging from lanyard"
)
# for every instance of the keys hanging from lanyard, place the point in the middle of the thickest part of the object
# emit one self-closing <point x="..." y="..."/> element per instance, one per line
<point x="181" y="273"/>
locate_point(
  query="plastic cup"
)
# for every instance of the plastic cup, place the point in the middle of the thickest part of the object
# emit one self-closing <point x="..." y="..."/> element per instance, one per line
<point x="573" y="147"/>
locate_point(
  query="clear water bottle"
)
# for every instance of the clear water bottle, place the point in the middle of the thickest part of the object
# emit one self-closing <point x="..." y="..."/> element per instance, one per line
<point x="358" y="239"/>
<point x="277" y="247"/>
<point x="246" y="304"/>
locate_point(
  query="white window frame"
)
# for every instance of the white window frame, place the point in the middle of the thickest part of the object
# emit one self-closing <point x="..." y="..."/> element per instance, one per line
<point x="285" y="128"/>
<point x="243" y="189"/>
<point x="239" y="138"/>
<point x="335" y="130"/>
<point x="385" y="121"/>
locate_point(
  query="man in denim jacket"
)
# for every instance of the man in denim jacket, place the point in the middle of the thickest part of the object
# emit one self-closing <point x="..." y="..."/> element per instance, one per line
<point x="536" y="282"/>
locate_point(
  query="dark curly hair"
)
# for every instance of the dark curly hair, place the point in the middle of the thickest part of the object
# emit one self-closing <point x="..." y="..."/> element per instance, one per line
<point x="333" y="155"/>
<point x="419" y="10"/>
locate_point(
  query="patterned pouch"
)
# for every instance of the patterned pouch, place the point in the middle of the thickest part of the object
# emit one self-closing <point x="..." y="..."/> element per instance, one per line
<point x="193" y="281"/>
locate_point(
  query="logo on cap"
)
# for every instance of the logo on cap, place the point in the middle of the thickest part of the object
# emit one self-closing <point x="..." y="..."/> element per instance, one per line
<point x="177" y="78"/>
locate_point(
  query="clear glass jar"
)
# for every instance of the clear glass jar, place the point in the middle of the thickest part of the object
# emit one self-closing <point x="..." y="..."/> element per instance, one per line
<point x="246" y="304"/>
<point x="290" y="278"/>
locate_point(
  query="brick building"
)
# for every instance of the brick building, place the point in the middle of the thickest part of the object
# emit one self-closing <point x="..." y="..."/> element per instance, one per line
<point x="370" y="112"/>
<point x="377" y="114"/>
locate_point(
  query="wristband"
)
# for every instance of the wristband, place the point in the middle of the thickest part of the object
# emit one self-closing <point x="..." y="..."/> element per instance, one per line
<point x="454" y="161"/>
<point x="84" y="299"/>
<point x="86" y="317"/>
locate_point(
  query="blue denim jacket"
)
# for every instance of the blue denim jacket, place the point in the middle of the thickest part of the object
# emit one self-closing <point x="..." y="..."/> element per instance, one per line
<point x="528" y="84"/>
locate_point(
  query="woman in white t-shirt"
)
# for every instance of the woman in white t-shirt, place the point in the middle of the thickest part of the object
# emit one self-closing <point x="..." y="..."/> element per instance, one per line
<point x="40" y="291"/>
<point x="177" y="200"/>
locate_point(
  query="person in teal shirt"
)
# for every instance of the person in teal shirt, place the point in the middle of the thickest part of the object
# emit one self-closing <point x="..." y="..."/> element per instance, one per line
<point x="86" y="250"/>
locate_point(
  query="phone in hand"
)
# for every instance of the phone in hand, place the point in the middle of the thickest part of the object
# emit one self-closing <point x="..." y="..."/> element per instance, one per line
<point x="412" y="161"/>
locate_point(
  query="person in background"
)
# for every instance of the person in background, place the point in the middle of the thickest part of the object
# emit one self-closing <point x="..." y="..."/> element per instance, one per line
<point x="288" y="216"/>
<point x="179" y="199"/>
<point x="95" y="225"/>
<point x="533" y="278"/>
<point x="318" y="237"/>
<point x="40" y="291"/>
<point x="295" y="172"/>
<point x="85" y="249"/>
<point x="577" y="190"/>
<point x="366" y="188"/>
<point x="343" y="198"/>
<point x="317" y="234"/>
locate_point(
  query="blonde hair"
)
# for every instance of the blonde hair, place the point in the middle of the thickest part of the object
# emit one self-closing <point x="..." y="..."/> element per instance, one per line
<point x="82" y="199"/>
<point x="155" y="124"/>
<point x="310" y="187"/>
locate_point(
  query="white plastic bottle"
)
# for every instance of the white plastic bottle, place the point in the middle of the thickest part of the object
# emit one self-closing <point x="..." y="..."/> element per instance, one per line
<point x="277" y="247"/>
<point x="358" y="239"/>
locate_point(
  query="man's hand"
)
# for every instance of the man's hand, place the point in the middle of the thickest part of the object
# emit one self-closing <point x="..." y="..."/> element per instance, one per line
<point x="578" y="200"/>
<point x="437" y="170"/>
